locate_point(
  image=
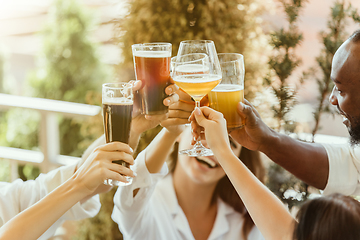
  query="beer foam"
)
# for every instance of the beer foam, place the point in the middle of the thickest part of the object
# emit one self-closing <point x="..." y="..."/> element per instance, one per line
<point x="197" y="78"/>
<point x="228" y="88"/>
<point x="117" y="101"/>
<point x="152" y="54"/>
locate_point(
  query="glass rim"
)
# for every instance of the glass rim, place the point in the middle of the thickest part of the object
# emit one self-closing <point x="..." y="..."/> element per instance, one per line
<point x="151" y="44"/>
<point x="196" y="40"/>
<point x="239" y="55"/>
<point x="118" y="85"/>
<point x="203" y="56"/>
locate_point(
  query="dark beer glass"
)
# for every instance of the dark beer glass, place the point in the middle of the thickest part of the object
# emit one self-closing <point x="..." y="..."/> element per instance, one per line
<point x="152" y="67"/>
<point x="117" y="102"/>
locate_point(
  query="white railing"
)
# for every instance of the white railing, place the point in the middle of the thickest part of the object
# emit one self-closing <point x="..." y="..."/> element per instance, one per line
<point x="49" y="143"/>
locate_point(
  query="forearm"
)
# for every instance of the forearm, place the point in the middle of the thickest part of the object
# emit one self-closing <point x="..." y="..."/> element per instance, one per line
<point x="307" y="161"/>
<point x="134" y="139"/>
<point x="159" y="150"/>
<point x="267" y="211"/>
<point x="34" y="221"/>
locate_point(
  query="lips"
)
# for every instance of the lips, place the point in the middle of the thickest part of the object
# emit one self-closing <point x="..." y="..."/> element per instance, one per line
<point x="207" y="161"/>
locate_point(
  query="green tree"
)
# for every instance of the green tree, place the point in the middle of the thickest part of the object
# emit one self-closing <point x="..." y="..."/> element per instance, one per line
<point x="283" y="62"/>
<point x="70" y="66"/>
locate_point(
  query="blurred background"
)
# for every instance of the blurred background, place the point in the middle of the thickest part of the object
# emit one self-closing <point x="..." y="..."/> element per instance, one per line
<point x="63" y="50"/>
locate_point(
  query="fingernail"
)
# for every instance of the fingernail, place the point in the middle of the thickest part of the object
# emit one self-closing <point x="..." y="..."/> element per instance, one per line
<point x="131" y="150"/>
<point x="197" y="111"/>
<point x="241" y="106"/>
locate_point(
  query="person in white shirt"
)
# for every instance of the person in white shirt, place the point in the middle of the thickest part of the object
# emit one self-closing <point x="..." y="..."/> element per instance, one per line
<point x="35" y="208"/>
<point x="331" y="217"/>
<point x="334" y="168"/>
<point x="195" y="200"/>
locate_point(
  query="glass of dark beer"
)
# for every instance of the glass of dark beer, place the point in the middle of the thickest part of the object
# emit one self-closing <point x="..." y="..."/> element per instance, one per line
<point x="152" y="67"/>
<point x="117" y="102"/>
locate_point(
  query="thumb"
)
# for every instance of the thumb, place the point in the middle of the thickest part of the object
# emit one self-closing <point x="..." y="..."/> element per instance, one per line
<point x="246" y="112"/>
<point x="199" y="117"/>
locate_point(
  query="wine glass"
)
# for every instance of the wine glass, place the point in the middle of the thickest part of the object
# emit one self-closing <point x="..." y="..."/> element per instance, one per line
<point x="197" y="71"/>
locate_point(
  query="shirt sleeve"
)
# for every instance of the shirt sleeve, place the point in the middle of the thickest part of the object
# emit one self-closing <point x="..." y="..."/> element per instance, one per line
<point x="18" y="195"/>
<point x="129" y="212"/>
<point x="344" y="172"/>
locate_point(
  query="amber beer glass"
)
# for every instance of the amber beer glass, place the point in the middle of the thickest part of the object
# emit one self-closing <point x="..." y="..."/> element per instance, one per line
<point x="152" y="67"/>
<point x="117" y="102"/>
<point x="225" y="97"/>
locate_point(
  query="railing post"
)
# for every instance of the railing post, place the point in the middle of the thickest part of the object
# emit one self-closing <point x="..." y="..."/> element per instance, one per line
<point x="49" y="141"/>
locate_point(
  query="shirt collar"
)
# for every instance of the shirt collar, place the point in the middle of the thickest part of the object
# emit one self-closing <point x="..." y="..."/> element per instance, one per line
<point x="221" y="225"/>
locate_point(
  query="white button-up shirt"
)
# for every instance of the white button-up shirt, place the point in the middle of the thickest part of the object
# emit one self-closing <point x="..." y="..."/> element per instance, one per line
<point x="18" y="195"/>
<point x="154" y="213"/>
<point x="344" y="169"/>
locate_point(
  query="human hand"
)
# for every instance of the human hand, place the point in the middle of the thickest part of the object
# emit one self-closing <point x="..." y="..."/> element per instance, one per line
<point x="255" y="132"/>
<point x="140" y="122"/>
<point x="213" y="125"/>
<point x="99" y="166"/>
<point x="179" y="113"/>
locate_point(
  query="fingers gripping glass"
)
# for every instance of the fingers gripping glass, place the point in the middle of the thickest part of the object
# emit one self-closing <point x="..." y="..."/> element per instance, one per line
<point x="117" y="102"/>
<point x="197" y="71"/>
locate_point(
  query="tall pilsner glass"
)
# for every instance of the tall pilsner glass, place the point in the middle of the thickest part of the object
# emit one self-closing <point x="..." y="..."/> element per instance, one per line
<point x="152" y="67"/>
<point x="117" y="101"/>
<point x="225" y="96"/>
<point x="197" y="71"/>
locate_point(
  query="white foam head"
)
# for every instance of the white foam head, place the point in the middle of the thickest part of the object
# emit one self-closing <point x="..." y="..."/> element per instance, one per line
<point x="117" y="101"/>
<point x="152" y="54"/>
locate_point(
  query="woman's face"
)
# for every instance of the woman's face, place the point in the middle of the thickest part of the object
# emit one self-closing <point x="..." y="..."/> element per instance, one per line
<point x="201" y="170"/>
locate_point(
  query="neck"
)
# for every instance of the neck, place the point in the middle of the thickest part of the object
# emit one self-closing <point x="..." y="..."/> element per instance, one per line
<point x="193" y="197"/>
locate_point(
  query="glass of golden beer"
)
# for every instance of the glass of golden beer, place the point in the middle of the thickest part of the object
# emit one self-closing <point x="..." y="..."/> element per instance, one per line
<point x="152" y="67"/>
<point x="117" y="102"/>
<point x="197" y="71"/>
<point x="225" y="96"/>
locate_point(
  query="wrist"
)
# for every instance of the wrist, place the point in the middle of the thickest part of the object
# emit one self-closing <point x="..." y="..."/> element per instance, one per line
<point x="270" y="141"/>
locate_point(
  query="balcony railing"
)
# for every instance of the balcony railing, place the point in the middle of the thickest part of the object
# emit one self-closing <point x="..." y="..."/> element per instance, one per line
<point x="49" y="157"/>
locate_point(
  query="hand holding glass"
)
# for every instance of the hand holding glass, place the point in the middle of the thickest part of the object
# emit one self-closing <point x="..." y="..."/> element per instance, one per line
<point x="197" y="71"/>
<point x="117" y="101"/>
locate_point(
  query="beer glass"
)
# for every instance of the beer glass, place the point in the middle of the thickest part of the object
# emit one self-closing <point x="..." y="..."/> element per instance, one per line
<point x="152" y="67"/>
<point x="225" y="96"/>
<point x="117" y="102"/>
<point x="197" y="71"/>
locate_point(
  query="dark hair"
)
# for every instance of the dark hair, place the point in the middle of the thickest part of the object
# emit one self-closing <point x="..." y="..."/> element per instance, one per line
<point x="226" y="191"/>
<point x="355" y="37"/>
<point x="334" y="217"/>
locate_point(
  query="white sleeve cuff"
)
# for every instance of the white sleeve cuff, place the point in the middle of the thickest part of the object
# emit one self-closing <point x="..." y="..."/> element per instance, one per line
<point x="343" y="174"/>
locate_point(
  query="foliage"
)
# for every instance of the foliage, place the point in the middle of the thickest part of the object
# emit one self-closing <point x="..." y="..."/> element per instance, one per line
<point x="69" y="67"/>
<point x="234" y="26"/>
<point x="331" y="40"/>
<point x="101" y="226"/>
<point x="283" y="62"/>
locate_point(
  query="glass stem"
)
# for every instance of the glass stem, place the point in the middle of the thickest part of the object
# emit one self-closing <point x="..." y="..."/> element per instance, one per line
<point x="198" y="140"/>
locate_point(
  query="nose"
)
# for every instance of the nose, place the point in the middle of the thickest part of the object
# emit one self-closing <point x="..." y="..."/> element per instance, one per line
<point x="333" y="98"/>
